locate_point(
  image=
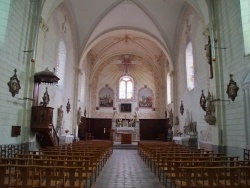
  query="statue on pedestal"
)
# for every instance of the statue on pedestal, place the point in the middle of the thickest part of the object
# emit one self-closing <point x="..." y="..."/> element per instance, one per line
<point x="131" y="122"/>
<point x="170" y="135"/>
<point x="114" y="115"/>
<point x="187" y="119"/>
<point x="79" y="114"/>
<point x="59" y="119"/>
<point x="171" y="117"/>
<point x="136" y="116"/>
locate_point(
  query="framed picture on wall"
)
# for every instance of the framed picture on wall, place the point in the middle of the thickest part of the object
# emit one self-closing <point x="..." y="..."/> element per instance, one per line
<point x="145" y="97"/>
<point x="125" y="107"/>
<point x="106" y="97"/>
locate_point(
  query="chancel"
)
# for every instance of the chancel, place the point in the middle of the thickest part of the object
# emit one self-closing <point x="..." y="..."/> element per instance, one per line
<point x="129" y="126"/>
<point x="134" y="86"/>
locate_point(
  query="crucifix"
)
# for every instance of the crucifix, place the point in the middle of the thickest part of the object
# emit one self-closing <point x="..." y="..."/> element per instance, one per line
<point x="208" y="49"/>
<point x="126" y="61"/>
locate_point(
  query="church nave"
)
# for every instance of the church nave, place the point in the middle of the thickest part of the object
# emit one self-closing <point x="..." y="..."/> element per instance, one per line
<point x="125" y="169"/>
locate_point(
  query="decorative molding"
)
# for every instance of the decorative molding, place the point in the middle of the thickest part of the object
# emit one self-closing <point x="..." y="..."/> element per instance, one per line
<point x="206" y="31"/>
<point x="43" y="25"/>
<point x="92" y="57"/>
<point x="188" y="29"/>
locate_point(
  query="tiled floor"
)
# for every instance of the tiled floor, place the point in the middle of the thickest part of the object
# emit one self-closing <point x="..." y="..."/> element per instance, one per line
<point x="125" y="169"/>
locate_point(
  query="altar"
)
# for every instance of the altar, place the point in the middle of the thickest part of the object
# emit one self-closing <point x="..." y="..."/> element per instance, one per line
<point x="124" y="133"/>
<point x="126" y="139"/>
<point x="125" y="129"/>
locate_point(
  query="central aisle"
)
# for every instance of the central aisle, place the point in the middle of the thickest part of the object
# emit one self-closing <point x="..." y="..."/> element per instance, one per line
<point x="125" y="169"/>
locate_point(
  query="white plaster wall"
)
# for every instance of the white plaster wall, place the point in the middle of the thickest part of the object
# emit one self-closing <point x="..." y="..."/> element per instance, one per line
<point x="201" y="71"/>
<point x="232" y="61"/>
<point x="84" y="86"/>
<point x="229" y="129"/>
<point x="15" y="41"/>
<point x="48" y="43"/>
<point x="110" y="73"/>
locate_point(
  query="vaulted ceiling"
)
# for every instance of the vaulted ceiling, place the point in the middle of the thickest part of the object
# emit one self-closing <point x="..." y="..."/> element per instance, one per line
<point x="143" y="28"/>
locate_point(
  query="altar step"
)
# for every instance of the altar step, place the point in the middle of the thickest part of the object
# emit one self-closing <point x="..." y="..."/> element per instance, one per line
<point x="125" y="146"/>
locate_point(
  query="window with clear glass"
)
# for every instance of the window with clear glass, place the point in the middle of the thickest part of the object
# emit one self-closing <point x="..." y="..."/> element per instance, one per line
<point x="189" y="67"/>
<point x="126" y="88"/>
<point x="82" y="82"/>
<point x="168" y="89"/>
<point x="61" y="60"/>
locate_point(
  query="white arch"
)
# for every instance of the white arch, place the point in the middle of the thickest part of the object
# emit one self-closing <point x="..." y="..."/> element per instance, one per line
<point x="111" y="33"/>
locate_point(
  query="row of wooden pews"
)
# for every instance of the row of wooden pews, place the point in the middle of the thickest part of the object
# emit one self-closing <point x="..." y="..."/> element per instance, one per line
<point x="74" y="165"/>
<point x="182" y="166"/>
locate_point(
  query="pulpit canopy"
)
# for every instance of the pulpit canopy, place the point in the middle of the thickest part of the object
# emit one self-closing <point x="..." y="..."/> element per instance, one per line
<point x="46" y="76"/>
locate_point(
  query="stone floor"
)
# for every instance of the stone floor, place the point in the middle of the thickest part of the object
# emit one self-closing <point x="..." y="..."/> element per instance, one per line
<point x="125" y="169"/>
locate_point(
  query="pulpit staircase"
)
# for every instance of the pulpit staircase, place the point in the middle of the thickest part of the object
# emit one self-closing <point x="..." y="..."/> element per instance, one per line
<point x="47" y="138"/>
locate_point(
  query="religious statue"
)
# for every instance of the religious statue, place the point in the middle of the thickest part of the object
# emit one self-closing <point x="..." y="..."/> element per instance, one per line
<point x="79" y="114"/>
<point x="209" y="107"/>
<point x="209" y="117"/>
<point x="171" y="117"/>
<point x="187" y="119"/>
<point x="176" y="122"/>
<point x="114" y="115"/>
<point x="131" y="122"/>
<point x="182" y="108"/>
<point x="119" y="122"/>
<point x="136" y="116"/>
<point x="170" y="135"/>
<point x="59" y="119"/>
<point x="207" y="47"/>
<point x="46" y="98"/>
<point x="166" y="113"/>
<point x="85" y="112"/>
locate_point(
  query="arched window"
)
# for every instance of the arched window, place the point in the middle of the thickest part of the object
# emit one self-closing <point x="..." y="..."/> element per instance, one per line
<point x="126" y="87"/>
<point x="82" y="82"/>
<point x="245" y="18"/>
<point x="168" y="89"/>
<point x="189" y="67"/>
<point x="61" y="60"/>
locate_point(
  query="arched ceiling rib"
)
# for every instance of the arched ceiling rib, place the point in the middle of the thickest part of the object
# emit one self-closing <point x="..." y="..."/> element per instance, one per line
<point x="152" y="22"/>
